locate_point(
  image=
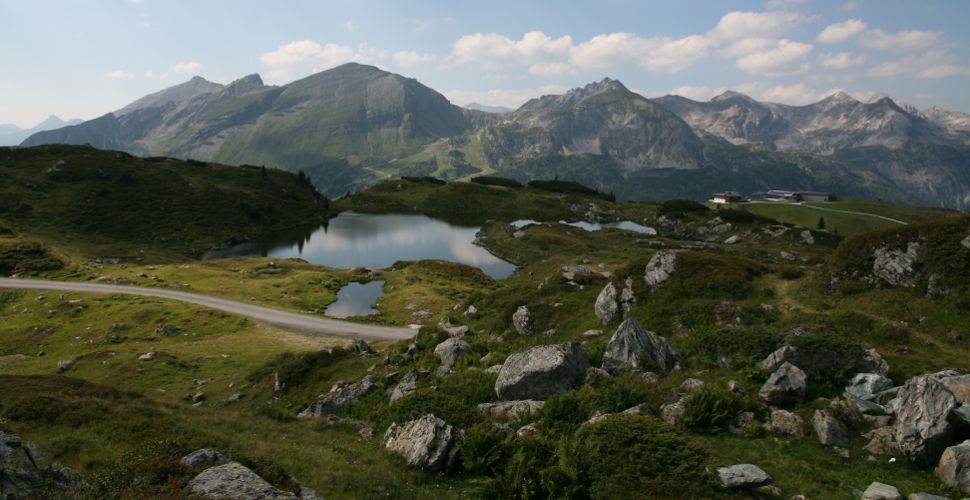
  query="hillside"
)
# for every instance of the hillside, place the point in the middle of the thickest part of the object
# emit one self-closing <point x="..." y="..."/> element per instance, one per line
<point x="92" y="203"/>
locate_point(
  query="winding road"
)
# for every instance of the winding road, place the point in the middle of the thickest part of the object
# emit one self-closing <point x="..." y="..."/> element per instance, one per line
<point x="292" y="321"/>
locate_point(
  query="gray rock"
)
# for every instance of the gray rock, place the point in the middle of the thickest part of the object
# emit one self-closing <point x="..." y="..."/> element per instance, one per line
<point x="63" y="366"/>
<point x="593" y="373"/>
<point x="922" y="430"/>
<point x="576" y="272"/>
<point x="634" y="349"/>
<point x="627" y="298"/>
<point x="882" y="441"/>
<point x="20" y="475"/>
<point x="362" y="347"/>
<point x="606" y="305"/>
<point x="454" y="331"/>
<point x="896" y="267"/>
<point x="732" y="240"/>
<point x="961" y="416"/>
<point x="692" y="384"/>
<point x="527" y="431"/>
<point x="202" y="458"/>
<point x="777" y="358"/>
<point x="518" y="234"/>
<point x="340" y="396"/>
<point x="959" y="385"/>
<point x="830" y="431"/>
<point x="954" y="467"/>
<point x="785" y="386"/>
<point x="736" y="388"/>
<point x="672" y="412"/>
<point x="592" y="333"/>
<point x="872" y="362"/>
<point x="510" y="409"/>
<point x="807" y="237"/>
<point x="966" y="241"/>
<point x="742" y="423"/>
<point x="640" y="409"/>
<point x="450" y="351"/>
<point x="865" y="386"/>
<point x="661" y="265"/>
<point x="742" y="477"/>
<point x="925" y="496"/>
<point x="428" y="442"/>
<point x="168" y="330"/>
<point x="494" y="369"/>
<point x="786" y="422"/>
<point x="542" y="371"/>
<point x="880" y="491"/>
<point x="407" y="385"/>
<point x="148" y="356"/>
<point x="234" y="481"/>
<point x="520" y="321"/>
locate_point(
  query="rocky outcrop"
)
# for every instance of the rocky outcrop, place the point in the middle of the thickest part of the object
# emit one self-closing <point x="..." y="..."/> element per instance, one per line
<point x="576" y="273"/>
<point x="742" y="477"/>
<point x="865" y="386"/>
<point x="610" y="305"/>
<point x="428" y="442"/>
<point x="542" y="371"/>
<point x="520" y="321"/>
<point x="234" y="481"/>
<point x="880" y="491"/>
<point x="450" y="352"/>
<point x="922" y="429"/>
<point x="202" y="458"/>
<point x="407" y="385"/>
<point x="872" y="362"/>
<point x="954" y="467"/>
<point x="26" y="473"/>
<point x="339" y="396"/>
<point x="361" y="347"/>
<point x="816" y="362"/>
<point x="897" y="267"/>
<point x="661" y="265"/>
<point x="634" y="349"/>
<point x="510" y="409"/>
<point x="785" y="386"/>
<point x="456" y="331"/>
<point x="830" y="431"/>
<point x="786" y="422"/>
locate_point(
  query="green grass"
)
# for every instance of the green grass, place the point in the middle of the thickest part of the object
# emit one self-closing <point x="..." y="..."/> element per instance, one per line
<point x="869" y="217"/>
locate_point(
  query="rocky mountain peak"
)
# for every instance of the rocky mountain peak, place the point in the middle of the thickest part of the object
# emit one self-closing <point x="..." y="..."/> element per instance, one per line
<point x="730" y="95"/>
<point x="245" y="85"/>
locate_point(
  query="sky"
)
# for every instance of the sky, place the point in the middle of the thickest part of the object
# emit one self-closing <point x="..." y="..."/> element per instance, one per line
<point x="84" y="58"/>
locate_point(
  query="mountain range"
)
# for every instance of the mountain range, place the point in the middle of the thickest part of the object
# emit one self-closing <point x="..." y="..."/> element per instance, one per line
<point x="350" y="126"/>
<point x="12" y="135"/>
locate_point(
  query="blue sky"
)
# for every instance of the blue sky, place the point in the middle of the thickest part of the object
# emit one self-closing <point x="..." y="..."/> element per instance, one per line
<point x="83" y="58"/>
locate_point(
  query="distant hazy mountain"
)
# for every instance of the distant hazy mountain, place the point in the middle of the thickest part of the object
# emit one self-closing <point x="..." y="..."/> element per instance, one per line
<point x="474" y="106"/>
<point x="12" y="135"/>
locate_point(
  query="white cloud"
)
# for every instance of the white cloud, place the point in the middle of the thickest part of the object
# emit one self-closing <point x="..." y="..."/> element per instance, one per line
<point x="655" y="53"/>
<point x="841" y="32"/>
<point x="351" y="26"/>
<point x="700" y="93"/>
<point x="851" y="5"/>
<point x="840" y="60"/>
<point x="747" y="46"/>
<point x="904" y="40"/>
<point x="795" y="94"/>
<point x="783" y="4"/>
<point x="944" y="71"/>
<point x="509" y="98"/>
<point x="306" y="56"/>
<point x="421" y="25"/>
<point x="187" y="68"/>
<point x="928" y="65"/>
<point x="409" y="58"/>
<point x="552" y="69"/>
<point x="736" y="25"/>
<point x="787" y="57"/>
<point x="119" y="73"/>
<point x="493" y="49"/>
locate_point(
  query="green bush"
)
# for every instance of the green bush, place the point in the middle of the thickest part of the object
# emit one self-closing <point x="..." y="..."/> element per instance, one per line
<point x="488" y="180"/>
<point x="423" y="401"/>
<point x="711" y="409"/>
<point x="483" y="449"/>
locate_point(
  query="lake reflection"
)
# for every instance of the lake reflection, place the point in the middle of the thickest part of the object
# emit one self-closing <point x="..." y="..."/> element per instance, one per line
<point x="356" y="299"/>
<point x="377" y="241"/>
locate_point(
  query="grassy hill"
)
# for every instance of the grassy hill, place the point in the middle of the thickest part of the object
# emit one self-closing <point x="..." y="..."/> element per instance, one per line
<point x="95" y="203"/>
<point x="848" y="216"/>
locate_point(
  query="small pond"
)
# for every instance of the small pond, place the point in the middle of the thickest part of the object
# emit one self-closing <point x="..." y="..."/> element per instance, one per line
<point x="356" y="299"/>
<point x="596" y="226"/>
<point x="377" y="241"/>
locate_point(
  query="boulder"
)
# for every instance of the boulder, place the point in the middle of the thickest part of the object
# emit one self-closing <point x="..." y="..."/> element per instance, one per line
<point x="959" y="386"/>
<point x="672" y="412"/>
<point x="233" y="481"/>
<point x="510" y="409"/>
<point x="922" y="430"/>
<point x="880" y="491"/>
<point x="455" y="331"/>
<point x="542" y="371"/>
<point x="627" y="298"/>
<point x="742" y="477"/>
<point x="872" y="362"/>
<point x="954" y="467"/>
<point x="925" y="496"/>
<point x="865" y="386"/>
<point x="520" y="321"/>
<point x="20" y="473"/>
<point x="897" y="267"/>
<point x="527" y="431"/>
<point x="202" y="458"/>
<point x="882" y="441"/>
<point x="830" y="431"/>
<point x="361" y="347"/>
<point x="742" y="424"/>
<point x="450" y="351"/>
<point x="661" y="265"/>
<point x="786" y="422"/>
<point x="407" y="385"/>
<point x="634" y="349"/>
<point x="692" y="384"/>
<point x="785" y="386"/>
<point x="148" y="356"/>
<point x="339" y="396"/>
<point x="777" y="358"/>
<point x="606" y="305"/>
<point x="428" y="442"/>
<point x="577" y="273"/>
<point x="63" y="366"/>
<point x="733" y="240"/>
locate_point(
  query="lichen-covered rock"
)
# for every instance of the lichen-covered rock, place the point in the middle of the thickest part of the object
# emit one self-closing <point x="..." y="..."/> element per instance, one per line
<point x="331" y="402"/>
<point x="606" y="305"/>
<point x="786" y="422"/>
<point x="362" y="347"/>
<point x="407" y="385"/>
<point x="954" y="467"/>
<point x="785" y="386"/>
<point x="634" y="349"/>
<point x="510" y="409"/>
<point x="830" y="431"/>
<point x="542" y="371"/>
<point x="520" y="321"/>
<point x="203" y="458"/>
<point x="234" y="481"/>
<point x="922" y="429"/>
<point x="882" y="441"/>
<point x="959" y="386"/>
<point x="661" y="265"/>
<point x="777" y="358"/>
<point x="880" y="491"/>
<point x="576" y="272"/>
<point x="19" y="474"/>
<point x="865" y="386"/>
<point x="457" y="331"/>
<point x="451" y="351"/>
<point x="872" y="362"/>
<point x="742" y="477"/>
<point x="428" y="442"/>
<point x="896" y="267"/>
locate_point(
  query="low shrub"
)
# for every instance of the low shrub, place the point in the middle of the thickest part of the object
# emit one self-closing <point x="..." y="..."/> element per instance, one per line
<point x="488" y="180"/>
<point x="711" y="409"/>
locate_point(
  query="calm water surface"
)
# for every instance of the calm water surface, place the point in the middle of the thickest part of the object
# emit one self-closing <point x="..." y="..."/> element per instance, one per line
<point x="356" y="299"/>
<point x="596" y="226"/>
